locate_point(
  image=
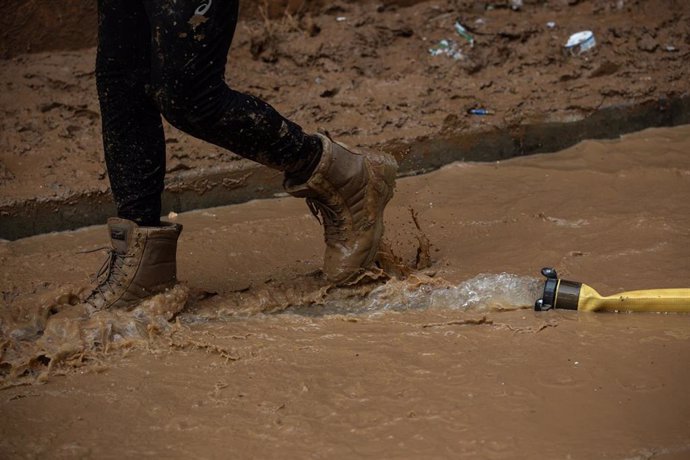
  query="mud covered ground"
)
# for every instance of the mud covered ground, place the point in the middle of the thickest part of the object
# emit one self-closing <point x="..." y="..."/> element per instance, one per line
<point x="363" y="72"/>
<point x="255" y="357"/>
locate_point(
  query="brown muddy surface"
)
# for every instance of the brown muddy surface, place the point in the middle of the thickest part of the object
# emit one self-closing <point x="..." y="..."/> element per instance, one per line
<point x="362" y="71"/>
<point x="255" y="357"/>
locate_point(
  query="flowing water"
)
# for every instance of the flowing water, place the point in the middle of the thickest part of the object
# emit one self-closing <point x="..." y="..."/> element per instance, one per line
<point x="482" y="293"/>
<point x="437" y="354"/>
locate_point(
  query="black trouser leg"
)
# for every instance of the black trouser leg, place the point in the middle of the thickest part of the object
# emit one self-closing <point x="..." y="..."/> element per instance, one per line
<point x="132" y="131"/>
<point x="179" y="48"/>
<point x="190" y="47"/>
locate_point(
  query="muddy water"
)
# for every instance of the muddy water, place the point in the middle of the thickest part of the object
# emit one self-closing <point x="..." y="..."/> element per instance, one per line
<point x="255" y="356"/>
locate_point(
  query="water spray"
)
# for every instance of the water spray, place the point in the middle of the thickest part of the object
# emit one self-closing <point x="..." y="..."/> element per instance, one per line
<point x="572" y="295"/>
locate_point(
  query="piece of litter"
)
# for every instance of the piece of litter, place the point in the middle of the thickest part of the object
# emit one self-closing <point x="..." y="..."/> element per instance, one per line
<point x="670" y="48"/>
<point x="581" y="42"/>
<point x="172" y="215"/>
<point x="551" y="25"/>
<point x="448" y="48"/>
<point x="480" y="112"/>
<point x="460" y="29"/>
<point x="341" y="18"/>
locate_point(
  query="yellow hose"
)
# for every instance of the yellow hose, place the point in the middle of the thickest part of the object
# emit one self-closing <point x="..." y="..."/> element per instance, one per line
<point x="572" y="295"/>
<point x="652" y="300"/>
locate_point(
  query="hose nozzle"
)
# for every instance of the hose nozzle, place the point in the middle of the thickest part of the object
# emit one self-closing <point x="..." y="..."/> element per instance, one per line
<point x="571" y="295"/>
<point x="558" y="293"/>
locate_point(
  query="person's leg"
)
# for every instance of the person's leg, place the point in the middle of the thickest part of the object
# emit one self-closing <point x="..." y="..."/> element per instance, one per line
<point x="142" y="260"/>
<point x="132" y="131"/>
<point x="349" y="188"/>
<point x="190" y="43"/>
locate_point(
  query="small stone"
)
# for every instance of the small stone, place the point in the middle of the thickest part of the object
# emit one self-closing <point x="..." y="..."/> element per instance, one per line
<point x="647" y="43"/>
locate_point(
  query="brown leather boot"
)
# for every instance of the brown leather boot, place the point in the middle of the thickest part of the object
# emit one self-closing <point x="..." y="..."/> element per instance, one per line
<point x="350" y="189"/>
<point x="142" y="263"/>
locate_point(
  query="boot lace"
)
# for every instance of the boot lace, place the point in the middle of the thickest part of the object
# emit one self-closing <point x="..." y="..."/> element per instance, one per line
<point x="109" y="276"/>
<point x="331" y="219"/>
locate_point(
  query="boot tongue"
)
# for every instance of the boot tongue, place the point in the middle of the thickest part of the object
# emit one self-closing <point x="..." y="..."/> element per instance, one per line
<point x="121" y="234"/>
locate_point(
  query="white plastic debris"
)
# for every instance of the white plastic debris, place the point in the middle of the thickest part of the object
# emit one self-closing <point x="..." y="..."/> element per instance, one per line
<point x="447" y="48"/>
<point x="581" y="42"/>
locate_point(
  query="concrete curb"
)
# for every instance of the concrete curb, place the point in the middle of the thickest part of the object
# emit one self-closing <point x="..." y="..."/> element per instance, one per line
<point x="245" y="181"/>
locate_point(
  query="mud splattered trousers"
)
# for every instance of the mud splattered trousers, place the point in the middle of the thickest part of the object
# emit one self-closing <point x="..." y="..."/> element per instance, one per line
<point x="168" y="57"/>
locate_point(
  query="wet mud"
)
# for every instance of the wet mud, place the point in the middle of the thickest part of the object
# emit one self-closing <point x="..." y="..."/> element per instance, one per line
<point x="363" y="72"/>
<point x="437" y="354"/>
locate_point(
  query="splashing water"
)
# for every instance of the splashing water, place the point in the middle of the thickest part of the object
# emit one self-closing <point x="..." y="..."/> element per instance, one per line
<point x="485" y="292"/>
<point x="67" y="334"/>
<point x="64" y="331"/>
<point x="490" y="292"/>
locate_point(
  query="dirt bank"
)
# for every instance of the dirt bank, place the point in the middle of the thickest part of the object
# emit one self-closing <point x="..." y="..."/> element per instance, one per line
<point x="443" y="363"/>
<point x="367" y="79"/>
<point x="31" y="26"/>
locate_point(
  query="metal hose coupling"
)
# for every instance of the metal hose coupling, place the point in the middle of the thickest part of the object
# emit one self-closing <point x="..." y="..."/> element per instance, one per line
<point x="558" y="293"/>
<point x="571" y="295"/>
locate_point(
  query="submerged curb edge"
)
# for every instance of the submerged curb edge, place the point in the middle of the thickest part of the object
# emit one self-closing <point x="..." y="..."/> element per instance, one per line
<point x="209" y="187"/>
